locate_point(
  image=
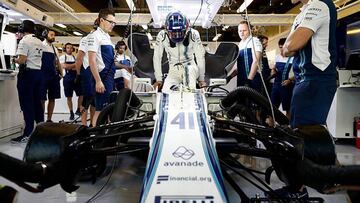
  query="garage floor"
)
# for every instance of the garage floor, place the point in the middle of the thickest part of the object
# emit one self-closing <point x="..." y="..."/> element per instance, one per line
<point x="125" y="182"/>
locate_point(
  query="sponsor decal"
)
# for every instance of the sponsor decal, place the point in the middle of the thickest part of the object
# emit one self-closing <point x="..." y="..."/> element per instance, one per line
<point x="162" y="178"/>
<point x="190" y="198"/>
<point x="185" y="154"/>
<point x="168" y="178"/>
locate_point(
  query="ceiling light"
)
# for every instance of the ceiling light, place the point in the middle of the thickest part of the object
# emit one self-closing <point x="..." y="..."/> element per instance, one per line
<point x="244" y="6"/>
<point x="131" y="5"/>
<point x="77" y="33"/>
<point x="145" y="27"/>
<point x="192" y="9"/>
<point x="60" y="25"/>
<point x="22" y="19"/>
<point x="353" y="31"/>
<point x="216" y="37"/>
<point x="13" y="13"/>
<point x="149" y="36"/>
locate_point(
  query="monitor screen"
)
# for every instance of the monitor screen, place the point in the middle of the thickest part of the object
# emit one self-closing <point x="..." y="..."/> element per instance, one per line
<point x="353" y="62"/>
<point x="352" y="46"/>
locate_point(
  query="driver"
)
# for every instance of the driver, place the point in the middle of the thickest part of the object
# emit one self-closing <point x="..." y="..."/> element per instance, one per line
<point x="181" y="43"/>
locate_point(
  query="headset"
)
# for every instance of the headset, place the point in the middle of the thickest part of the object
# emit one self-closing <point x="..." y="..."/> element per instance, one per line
<point x="41" y="32"/>
<point x="26" y="26"/>
<point x="64" y="48"/>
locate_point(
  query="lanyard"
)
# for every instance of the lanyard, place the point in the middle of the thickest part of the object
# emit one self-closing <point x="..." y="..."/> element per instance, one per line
<point x="247" y="68"/>
<point x="285" y="70"/>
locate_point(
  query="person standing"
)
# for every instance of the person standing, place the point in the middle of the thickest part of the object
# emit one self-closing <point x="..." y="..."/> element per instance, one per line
<point x="52" y="74"/>
<point x="101" y="59"/>
<point x="312" y="43"/>
<point x="181" y="44"/>
<point x="87" y="82"/>
<point x="69" y="82"/>
<point x="123" y="66"/>
<point x="283" y="84"/>
<point x="250" y="53"/>
<point x="29" y="78"/>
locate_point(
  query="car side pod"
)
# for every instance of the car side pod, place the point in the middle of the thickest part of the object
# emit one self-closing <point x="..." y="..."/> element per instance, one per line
<point x="50" y="144"/>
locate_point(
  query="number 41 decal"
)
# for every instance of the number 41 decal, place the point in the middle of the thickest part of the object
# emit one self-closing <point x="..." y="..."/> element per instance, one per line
<point x="179" y="119"/>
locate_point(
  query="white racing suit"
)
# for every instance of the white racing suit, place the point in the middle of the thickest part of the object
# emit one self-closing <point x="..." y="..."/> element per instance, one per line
<point x="182" y="66"/>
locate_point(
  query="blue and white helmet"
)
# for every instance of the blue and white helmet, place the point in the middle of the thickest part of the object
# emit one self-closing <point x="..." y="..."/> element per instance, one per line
<point x="176" y="26"/>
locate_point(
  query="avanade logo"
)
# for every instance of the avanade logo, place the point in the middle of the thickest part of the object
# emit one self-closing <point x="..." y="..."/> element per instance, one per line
<point x="182" y="152"/>
<point x="185" y="154"/>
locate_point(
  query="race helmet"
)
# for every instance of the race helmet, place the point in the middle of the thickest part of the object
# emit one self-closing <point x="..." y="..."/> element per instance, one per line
<point x="176" y="26"/>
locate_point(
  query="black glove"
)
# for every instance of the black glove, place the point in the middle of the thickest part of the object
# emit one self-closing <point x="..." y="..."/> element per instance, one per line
<point x="270" y="77"/>
<point x="247" y="83"/>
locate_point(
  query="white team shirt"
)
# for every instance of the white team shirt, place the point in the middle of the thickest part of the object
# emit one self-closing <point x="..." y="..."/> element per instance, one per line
<point x="313" y="16"/>
<point x="94" y="42"/>
<point x="50" y="48"/>
<point x="83" y="47"/>
<point x="31" y="47"/>
<point x="120" y="72"/>
<point x="247" y="43"/>
<point x="69" y="58"/>
<point x="281" y="59"/>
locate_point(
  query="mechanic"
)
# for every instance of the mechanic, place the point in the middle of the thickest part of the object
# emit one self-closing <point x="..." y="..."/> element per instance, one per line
<point x="123" y="66"/>
<point x="313" y="45"/>
<point x="52" y="73"/>
<point x="180" y="43"/>
<point x="247" y="62"/>
<point x="101" y="59"/>
<point x="312" y="42"/>
<point x="70" y="83"/>
<point x="29" y="78"/>
<point x="283" y="84"/>
<point x="87" y="84"/>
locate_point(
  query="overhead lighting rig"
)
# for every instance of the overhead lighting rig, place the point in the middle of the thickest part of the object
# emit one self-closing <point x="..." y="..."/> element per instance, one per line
<point x="192" y="9"/>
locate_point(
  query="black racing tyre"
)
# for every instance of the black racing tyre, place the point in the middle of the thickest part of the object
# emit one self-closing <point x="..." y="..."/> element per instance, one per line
<point x="105" y="115"/>
<point x="242" y="93"/>
<point x="121" y="106"/>
<point x="97" y="165"/>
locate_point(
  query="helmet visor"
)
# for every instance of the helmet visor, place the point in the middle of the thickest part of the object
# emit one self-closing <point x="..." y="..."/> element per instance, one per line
<point x="177" y="36"/>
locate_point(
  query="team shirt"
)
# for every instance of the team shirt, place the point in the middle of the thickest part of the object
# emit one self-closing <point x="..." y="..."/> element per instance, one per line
<point x="319" y="54"/>
<point x="83" y="47"/>
<point x="246" y="52"/>
<point x="123" y="59"/>
<point x="283" y="67"/>
<point x="66" y="58"/>
<point x="49" y="56"/>
<point x="100" y="43"/>
<point x="31" y="47"/>
<point x="69" y="59"/>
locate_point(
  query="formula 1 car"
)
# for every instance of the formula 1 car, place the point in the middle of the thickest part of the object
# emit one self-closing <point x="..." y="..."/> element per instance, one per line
<point x="192" y="139"/>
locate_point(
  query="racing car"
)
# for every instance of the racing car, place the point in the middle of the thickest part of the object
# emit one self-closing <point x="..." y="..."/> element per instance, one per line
<point x="192" y="139"/>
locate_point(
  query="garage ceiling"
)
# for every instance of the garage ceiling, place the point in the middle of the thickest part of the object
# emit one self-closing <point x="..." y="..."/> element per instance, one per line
<point x="121" y="6"/>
